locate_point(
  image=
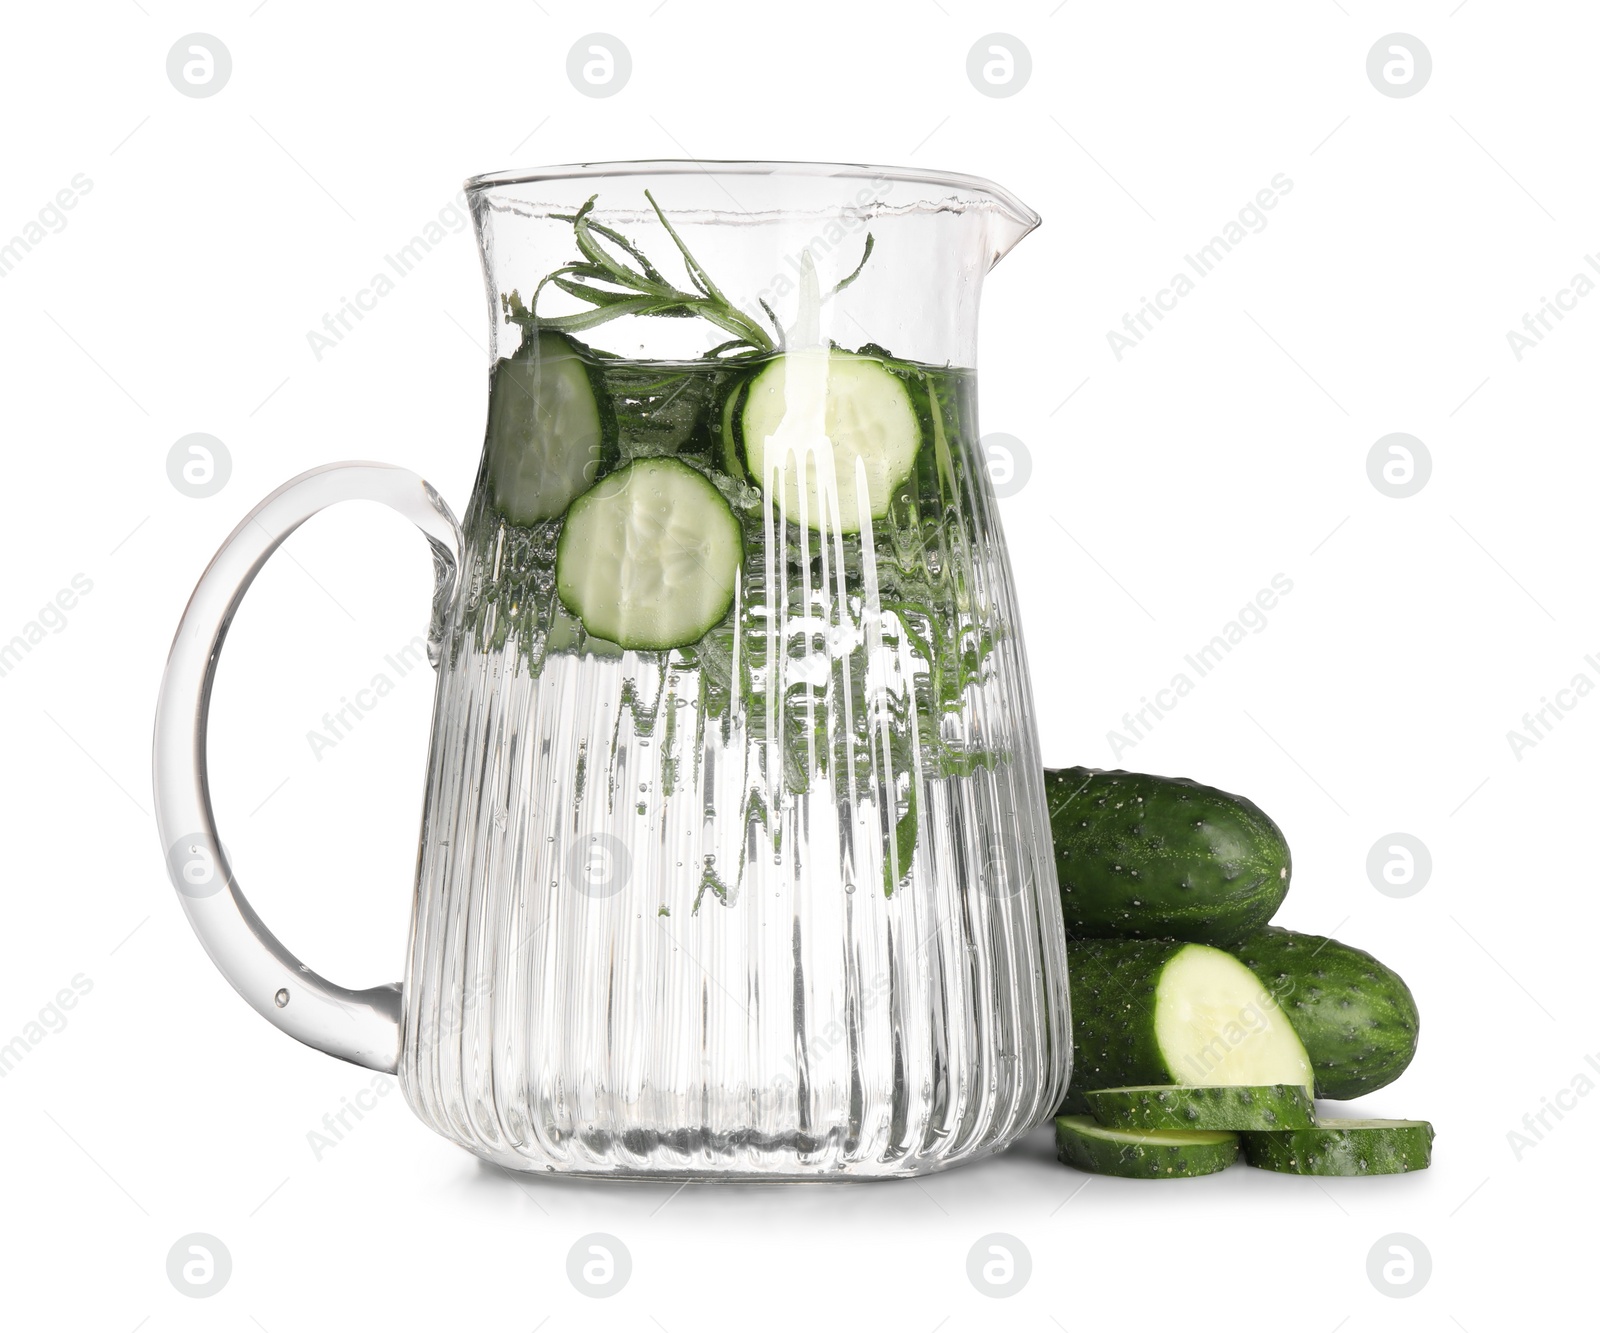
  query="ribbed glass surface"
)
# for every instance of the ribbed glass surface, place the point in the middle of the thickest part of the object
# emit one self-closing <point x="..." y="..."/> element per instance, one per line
<point x="779" y="903"/>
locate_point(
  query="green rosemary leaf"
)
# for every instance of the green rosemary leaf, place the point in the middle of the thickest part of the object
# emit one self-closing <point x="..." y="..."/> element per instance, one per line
<point x="855" y="273"/>
<point x="594" y="295"/>
<point x="701" y="278"/>
<point x="772" y="315"/>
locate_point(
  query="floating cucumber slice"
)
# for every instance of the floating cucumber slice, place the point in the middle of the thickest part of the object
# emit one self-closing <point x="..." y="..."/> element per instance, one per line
<point x="1142" y="1154"/>
<point x="1276" y="1106"/>
<point x="842" y="423"/>
<point x="545" y="431"/>
<point x="648" y="558"/>
<point x="1344" y="1148"/>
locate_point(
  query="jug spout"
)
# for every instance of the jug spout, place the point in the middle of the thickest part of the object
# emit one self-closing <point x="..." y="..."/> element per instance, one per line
<point x="854" y="256"/>
<point x="1009" y="222"/>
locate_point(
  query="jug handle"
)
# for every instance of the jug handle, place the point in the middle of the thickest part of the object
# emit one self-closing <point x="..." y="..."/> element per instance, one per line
<point x="362" y="1027"/>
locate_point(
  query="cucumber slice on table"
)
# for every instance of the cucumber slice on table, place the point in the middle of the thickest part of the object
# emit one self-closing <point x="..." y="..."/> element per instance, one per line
<point x="1142" y="1154"/>
<point x="649" y="557"/>
<point x="842" y="423"/>
<point x="1344" y="1148"/>
<point x="1157" y="1011"/>
<point x="545" y="431"/>
<point x="1280" y="1106"/>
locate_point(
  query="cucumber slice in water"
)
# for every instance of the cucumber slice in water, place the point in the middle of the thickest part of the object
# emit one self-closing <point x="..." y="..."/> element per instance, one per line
<point x="842" y="424"/>
<point x="1143" y="1154"/>
<point x="649" y="557"/>
<point x="545" y="432"/>
<point x="1279" y="1106"/>
<point x="1345" y="1148"/>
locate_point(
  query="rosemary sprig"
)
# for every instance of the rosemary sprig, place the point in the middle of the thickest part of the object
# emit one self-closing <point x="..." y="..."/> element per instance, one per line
<point x="636" y="288"/>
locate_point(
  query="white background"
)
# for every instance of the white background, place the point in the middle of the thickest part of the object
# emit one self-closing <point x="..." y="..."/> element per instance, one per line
<point x="1230" y="446"/>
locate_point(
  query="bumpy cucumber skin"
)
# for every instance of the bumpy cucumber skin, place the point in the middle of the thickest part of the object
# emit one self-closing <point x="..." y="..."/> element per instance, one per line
<point x="1137" y="1161"/>
<point x="1283" y="1106"/>
<point x="1113" y="989"/>
<point x="1356" y="1018"/>
<point x="1332" y="1149"/>
<point x="1143" y="857"/>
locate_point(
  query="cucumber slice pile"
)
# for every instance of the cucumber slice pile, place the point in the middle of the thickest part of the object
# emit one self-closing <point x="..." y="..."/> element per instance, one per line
<point x="1140" y="1154"/>
<point x="649" y="558"/>
<point x="545" y="432"/>
<point x="838" y="422"/>
<point x="1344" y="1148"/>
<point x="1189" y="1011"/>
<point x="1279" y="1107"/>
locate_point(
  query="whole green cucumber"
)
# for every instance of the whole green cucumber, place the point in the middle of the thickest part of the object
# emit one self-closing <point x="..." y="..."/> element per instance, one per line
<point x="1356" y="1017"/>
<point x="1142" y="857"/>
<point x="1159" y="1011"/>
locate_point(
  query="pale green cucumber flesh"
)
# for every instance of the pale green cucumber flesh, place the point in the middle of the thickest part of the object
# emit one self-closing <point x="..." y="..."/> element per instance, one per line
<point x="1225" y="1107"/>
<point x="545" y="432"/>
<point x="1344" y="1148"/>
<point x="829" y="436"/>
<point x="1154" y="1011"/>
<point x="649" y="558"/>
<point x="1142" y="1154"/>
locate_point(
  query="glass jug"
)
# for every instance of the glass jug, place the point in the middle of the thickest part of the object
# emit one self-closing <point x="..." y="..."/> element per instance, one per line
<point x="734" y="856"/>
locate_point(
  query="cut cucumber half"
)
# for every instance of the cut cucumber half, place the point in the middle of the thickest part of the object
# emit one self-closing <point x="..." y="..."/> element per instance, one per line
<point x="1345" y="1148"/>
<point x="1150" y="1012"/>
<point x="649" y="557"/>
<point x="1140" y="1154"/>
<point x="545" y="432"/>
<point x="1357" y="1018"/>
<point x="841" y="424"/>
<point x="1279" y="1106"/>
